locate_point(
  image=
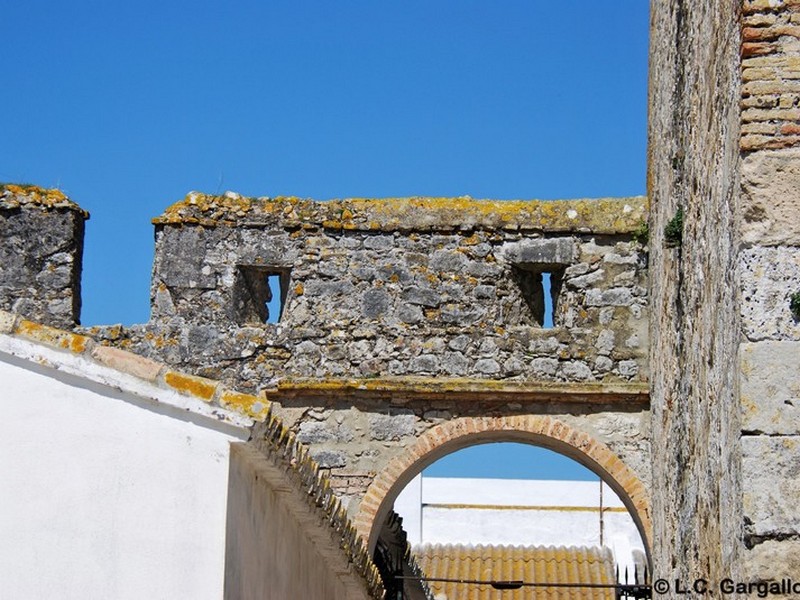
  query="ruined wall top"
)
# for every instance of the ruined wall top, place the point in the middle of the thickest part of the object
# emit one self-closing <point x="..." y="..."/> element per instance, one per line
<point x="602" y="216"/>
<point x="20" y="195"/>
<point x="41" y="250"/>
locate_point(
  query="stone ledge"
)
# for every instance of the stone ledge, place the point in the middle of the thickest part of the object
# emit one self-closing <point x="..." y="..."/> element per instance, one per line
<point x="153" y="372"/>
<point x="17" y="195"/>
<point x="422" y="388"/>
<point x="602" y="215"/>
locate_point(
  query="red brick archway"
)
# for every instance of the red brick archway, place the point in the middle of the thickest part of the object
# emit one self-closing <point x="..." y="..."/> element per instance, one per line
<point x="468" y="431"/>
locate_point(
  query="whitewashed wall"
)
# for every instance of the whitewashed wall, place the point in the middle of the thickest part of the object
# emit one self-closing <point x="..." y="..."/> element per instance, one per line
<point x="450" y="510"/>
<point x="105" y="494"/>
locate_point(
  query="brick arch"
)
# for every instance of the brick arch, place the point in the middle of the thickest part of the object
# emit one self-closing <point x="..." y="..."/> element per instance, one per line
<point x="539" y="430"/>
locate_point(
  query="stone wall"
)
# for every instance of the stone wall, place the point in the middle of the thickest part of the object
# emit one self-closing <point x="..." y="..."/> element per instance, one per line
<point x="770" y="74"/>
<point x="41" y="252"/>
<point x="355" y="438"/>
<point x="420" y="287"/>
<point x="769" y="274"/>
<point x="694" y="167"/>
<point x="407" y="294"/>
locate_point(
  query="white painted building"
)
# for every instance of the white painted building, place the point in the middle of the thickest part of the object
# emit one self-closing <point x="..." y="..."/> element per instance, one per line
<point x="111" y="487"/>
<point x="449" y="510"/>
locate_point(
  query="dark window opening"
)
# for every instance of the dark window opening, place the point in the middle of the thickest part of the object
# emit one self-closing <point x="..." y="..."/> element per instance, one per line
<point x="260" y="294"/>
<point x="540" y="288"/>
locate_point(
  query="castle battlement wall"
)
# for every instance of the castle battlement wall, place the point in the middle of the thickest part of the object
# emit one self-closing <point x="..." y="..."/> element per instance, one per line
<point x="41" y="253"/>
<point x="422" y="287"/>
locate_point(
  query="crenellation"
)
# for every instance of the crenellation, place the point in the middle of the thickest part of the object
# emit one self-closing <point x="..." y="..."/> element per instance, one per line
<point x="408" y="298"/>
<point x="41" y="253"/>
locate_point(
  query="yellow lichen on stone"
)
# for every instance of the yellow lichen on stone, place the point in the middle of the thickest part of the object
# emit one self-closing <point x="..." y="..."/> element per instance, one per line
<point x="190" y="384"/>
<point x="14" y="195"/>
<point x="252" y="406"/>
<point x="605" y="215"/>
<point x="55" y="338"/>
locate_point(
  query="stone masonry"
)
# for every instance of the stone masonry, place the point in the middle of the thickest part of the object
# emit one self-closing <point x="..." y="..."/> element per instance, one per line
<point x="410" y="291"/>
<point x="41" y="252"/>
<point x="407" y="327"/>
<point x="769" y="275"/>
<point x="724" y="379"/>
<point x="420" y="287"/>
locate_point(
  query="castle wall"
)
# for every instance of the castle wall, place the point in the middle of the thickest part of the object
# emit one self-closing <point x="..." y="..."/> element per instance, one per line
<point x="432" y="289"/>
<point x="769" y="274"/>
<point x="453" y="295"/>
<point x="41" y="252"/>
<point x="695" y="330"/>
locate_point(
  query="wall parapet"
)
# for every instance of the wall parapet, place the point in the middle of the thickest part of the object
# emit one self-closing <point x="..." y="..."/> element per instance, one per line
<point x="41" y="254"/>
<point x="602" y="216"/>
<point x="23" y="195"/>
<point x="256" y="289"/>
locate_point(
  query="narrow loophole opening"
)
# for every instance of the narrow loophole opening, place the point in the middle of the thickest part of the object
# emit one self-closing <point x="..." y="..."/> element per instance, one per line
<point x="261" y="295"/>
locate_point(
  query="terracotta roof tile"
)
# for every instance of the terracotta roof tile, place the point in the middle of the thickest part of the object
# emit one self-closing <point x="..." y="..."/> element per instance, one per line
<point x="531" y="564"/>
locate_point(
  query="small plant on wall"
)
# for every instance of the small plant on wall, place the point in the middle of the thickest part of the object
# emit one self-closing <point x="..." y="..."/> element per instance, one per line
<point x="794" y="305"/>
<point x="673" y="232"/>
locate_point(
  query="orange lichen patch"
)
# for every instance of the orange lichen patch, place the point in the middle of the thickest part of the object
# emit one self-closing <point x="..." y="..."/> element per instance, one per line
<point x="190" y="384"/>
<point x="255" y="407"/>
<point x="50" y="336"/>
<point x="15" y="195"/>
<point x="604" y="215"/>
<point x="467" y="389"/>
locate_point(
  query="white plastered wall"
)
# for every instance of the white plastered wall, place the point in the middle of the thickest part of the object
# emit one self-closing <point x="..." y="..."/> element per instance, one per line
<point x="106" y="494"/>
<point x="452" y="510"/>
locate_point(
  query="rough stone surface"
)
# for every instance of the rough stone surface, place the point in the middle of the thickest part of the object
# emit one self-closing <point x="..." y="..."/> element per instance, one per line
<point x="769" y="277"/>
<point x="558" y="251"/>
<point x="41" y="250"/>
<point x="771" y="468"/>
<point x="390" y="300"/>
<point x="770" y="388"/>
<point x="772" y="560"/>
<point x="694" y="164"/>
<point x="771" y="197"/>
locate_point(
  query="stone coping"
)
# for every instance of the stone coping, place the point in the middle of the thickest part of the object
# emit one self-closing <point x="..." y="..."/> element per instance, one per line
<point x="17" y="195"/>
<point x="408" y="389"/>
<point x="150" y="371"/>
<point x="602" y="215"/>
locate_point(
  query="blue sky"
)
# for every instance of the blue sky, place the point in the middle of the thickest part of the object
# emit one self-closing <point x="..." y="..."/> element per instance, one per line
<point x="127" y="106"/>
<point x="509" y="461"/>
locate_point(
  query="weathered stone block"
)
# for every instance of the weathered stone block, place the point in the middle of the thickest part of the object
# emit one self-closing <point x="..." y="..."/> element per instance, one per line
<point x="391" y="427"/>
<point x="315" y="432"/>
<point x="552" y="251"/>
<point x="330" y="459"/>
<point x="376" y="303"/>
<point x="771" y="197"/>
<point x="770" y="387"/>
<point x="769" y="276"/>
<point x="771" y="490"/>
<point x="771" y="559"/>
